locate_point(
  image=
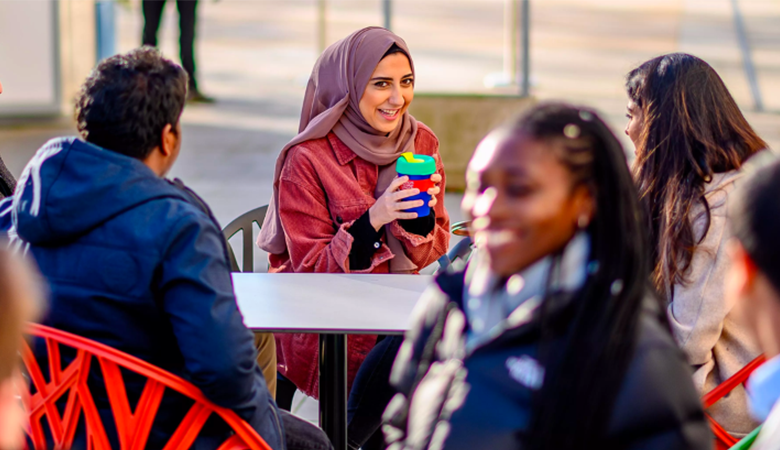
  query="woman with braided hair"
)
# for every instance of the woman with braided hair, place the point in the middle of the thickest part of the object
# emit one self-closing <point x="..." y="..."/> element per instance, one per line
<point x="551" y="338"/>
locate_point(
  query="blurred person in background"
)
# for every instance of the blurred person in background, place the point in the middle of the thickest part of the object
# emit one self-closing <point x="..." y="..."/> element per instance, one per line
<point x="338" y="205"/>
<point x="754" y="285"/>
<point x="153" y="12"/>
<point x="20" y="302"/>
<point x="138" y="262"/>
<point x="551" y="338"/>
<point x="691" y="141"/>
<point x="7" y="180"/>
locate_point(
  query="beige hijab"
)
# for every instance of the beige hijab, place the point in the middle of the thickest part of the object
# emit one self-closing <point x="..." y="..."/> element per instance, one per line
<point x="331" y="103"/>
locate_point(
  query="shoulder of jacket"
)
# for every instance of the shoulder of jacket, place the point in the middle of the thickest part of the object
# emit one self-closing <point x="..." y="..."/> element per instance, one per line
<point x="182" y="213"/>
<point x="718" y="191"/>
<point x="659" y="368"/>
<point x="309" y="149"/>
<point x="308" y="158"/>
<point x="652" y="335"/>
<point x="424" y="132"/>
<point x="182" y="207"/>
<point x="452" y="284"/>
<point x="434" y="304"/>
<point x="426" y="326"/>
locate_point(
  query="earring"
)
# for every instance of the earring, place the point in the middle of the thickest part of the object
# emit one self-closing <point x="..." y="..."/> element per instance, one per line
<point x="582" y="222"/>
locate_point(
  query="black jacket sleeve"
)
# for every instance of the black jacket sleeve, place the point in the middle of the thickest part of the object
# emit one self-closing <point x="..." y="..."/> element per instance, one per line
<point x="366" y="242"/>
<point x="421" y="226"/>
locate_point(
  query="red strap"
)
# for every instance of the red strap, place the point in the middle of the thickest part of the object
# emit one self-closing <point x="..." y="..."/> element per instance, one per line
<point x="721" y="435"/>
<point x="723" y="440"/>
<point x="727" y="386"/>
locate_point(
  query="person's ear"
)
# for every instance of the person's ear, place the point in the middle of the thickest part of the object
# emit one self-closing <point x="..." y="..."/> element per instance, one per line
<point x="169" y="140"/>
<point x="751" y="269"/>
<point x="584" y="206"/>
<point x="743" y="271"/>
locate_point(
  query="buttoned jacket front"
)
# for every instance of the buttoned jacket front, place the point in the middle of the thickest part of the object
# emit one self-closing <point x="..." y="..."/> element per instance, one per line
<point x="323" y="188"/>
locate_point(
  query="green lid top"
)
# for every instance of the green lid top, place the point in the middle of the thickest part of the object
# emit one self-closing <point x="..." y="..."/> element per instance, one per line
<point x="411" y="164"/>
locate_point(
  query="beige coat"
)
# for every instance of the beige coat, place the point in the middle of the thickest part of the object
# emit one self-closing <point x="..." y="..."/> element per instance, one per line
<point x="703" y="324"/>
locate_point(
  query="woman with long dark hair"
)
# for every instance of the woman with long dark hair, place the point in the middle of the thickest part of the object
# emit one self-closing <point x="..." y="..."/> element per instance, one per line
<point x="550" y="339"/>
<point x="691" y="141"/>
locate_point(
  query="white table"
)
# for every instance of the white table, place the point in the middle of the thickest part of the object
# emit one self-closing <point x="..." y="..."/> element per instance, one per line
<point x="332" y="305"/>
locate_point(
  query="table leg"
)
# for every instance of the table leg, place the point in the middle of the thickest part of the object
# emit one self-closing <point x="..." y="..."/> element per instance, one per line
<point x="333" y="388"/>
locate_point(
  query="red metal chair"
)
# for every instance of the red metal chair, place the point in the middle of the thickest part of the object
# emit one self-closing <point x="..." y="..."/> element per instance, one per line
<point x="132" y="427"/>
<point x="723" y="440"/>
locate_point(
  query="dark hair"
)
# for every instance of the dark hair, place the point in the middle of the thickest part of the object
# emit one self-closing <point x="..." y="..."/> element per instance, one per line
<point x="692" y="130"/>
<point x="576" y="400"/>
<point x="128" y="99"/>
<point x="394" y="49"/>
<point x="755" y="220"/>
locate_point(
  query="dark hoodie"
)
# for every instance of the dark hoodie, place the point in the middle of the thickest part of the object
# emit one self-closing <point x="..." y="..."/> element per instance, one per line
<point x="135" y="262"/>
<point x="453" y="399"/>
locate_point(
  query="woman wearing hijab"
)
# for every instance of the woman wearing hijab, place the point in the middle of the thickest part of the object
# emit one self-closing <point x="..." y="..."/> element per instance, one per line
<point x="338" y="206"/>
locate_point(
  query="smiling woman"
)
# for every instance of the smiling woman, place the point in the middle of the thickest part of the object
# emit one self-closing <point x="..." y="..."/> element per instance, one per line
<point x="550" y="338"/>
<point x="339" y="206"/>
<point x="528" y="207"/>
<point x="389" y="91"/>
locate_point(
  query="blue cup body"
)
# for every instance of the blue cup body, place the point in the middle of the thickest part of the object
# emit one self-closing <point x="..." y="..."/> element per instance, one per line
<point x="423" y="210"/>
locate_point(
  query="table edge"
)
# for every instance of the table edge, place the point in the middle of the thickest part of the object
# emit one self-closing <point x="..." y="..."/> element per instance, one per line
<point x="325" y="331"/>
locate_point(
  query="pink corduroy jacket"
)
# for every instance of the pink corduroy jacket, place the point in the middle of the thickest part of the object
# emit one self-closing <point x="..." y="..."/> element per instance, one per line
<point x="323" y="188"/>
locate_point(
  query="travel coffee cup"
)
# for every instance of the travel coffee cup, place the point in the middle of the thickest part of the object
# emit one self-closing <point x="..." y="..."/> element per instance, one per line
<point x="419" y="169"/>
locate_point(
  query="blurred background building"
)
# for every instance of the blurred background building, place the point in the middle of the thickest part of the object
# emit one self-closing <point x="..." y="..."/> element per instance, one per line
<point x="255" y="57"/>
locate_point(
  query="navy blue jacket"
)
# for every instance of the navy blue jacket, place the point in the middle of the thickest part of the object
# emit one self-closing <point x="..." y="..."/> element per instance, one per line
<point x="453" y="399"/>
<point x="139" y="264"/>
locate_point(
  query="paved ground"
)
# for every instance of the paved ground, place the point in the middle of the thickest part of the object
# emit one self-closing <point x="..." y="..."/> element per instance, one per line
<point x="256" y="55"/>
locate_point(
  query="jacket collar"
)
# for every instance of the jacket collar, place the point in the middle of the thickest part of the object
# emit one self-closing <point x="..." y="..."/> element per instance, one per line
<point x="344" y="155"/>
<point x="559" y="311"/>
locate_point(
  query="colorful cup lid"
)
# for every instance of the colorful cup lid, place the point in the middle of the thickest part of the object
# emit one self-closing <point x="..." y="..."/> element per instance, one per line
<point x="411" y="164"/>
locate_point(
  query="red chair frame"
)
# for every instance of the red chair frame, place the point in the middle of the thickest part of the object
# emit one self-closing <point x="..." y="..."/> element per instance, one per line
<point x="132" y="427"/>
<point x="724" y="440"/>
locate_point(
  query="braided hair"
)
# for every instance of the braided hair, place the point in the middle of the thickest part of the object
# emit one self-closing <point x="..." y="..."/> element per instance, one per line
<point x="575" y="403"/>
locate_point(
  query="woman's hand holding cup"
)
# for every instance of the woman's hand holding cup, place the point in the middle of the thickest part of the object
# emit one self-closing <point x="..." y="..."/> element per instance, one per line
<point x="391" y="205"/>
<point x="435" y="190"/>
